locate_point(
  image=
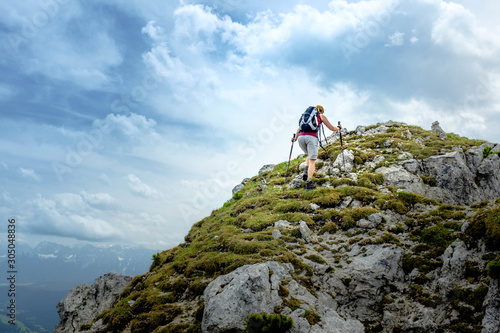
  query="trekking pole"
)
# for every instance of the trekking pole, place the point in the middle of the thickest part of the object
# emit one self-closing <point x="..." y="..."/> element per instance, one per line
<point x="342" y="148"/>
<point x="289" y="158"/>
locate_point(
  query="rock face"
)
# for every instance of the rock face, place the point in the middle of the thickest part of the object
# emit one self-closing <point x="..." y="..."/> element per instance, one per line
<point x="491" y="320"/>
<point x="462" y="178"/>
<point x="84" y="302"/>
<point x="231" y="298"/>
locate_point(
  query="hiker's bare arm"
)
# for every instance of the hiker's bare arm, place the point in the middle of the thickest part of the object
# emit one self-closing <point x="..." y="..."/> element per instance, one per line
<point x="296" y="135"/>
<point x="327" y="123"/>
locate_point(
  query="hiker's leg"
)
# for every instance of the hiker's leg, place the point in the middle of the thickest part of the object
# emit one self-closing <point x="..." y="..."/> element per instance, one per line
<point x="310" y="172"/>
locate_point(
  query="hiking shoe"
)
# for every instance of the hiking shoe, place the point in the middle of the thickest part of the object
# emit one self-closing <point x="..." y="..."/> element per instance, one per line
<point x="304" y="176"/>
<point x="310" y="185"/>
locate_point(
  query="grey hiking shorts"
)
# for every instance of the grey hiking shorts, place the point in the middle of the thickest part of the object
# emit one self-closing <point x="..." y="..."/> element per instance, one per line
<point x="309" y="144"/>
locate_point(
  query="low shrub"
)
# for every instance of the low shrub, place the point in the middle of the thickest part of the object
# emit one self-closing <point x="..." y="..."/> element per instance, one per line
<point x="330" y="228"/>
<point x="494" y="269"/>
<point x="316" y="258"/>
<point x="438" y="236"/>
<point x="263" y="322"/>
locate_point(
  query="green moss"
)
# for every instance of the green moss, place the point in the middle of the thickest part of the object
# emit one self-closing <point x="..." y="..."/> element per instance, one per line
<point x="396" y="206"/>
<point x="237" y="196"/>
<point x="283" y="291"/>
<point x="494" y="269"/>
<point x="329" y="227"/>
<point x="316" y="258"/>
<point x="197" y="287"/>
<point x="472" y="270"/>
<point x="389" y="238"/>
<point x="473" y="297"/>
<point x="289" y="207"/>
<point x="480" y="205"/>
<point x="312" y="317"/>
<point x="292" y="303"/>
<point x="492" y="224"/>
<point x="329" y="200"/>
<point x="431" y="181"/>
<point x="116" y="318"/>
<point x="147" y="322"/>
<point x="438" y="236"/>
<point x="423" y="264"/>
<point x="361" y="193"/>
<point x="84" y="327"/>
<point x="268" y="323"/>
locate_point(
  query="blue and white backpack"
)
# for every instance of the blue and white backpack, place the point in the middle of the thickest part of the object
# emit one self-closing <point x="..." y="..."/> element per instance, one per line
<point x="308" y="121"/>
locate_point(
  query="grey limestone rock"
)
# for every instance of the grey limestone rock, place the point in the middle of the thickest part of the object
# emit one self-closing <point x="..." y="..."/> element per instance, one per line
<point x="267" y="167"/>
<point x="491" y="319"/>
<point x="282" y="224"/>
<point x="230" y="298"/>
<point x="438" y="130"/>
<point x="360" y="130"/>
<point x="454" y="258"/>
<point x="276" y="234"/>
<point x="83" y="303"/>
<point x="371" y="222"/>
<point x="306" y="233"/>
<point x="405" y="156"/>
<point x="346" y="159"/>
<point x="296" y="182"/>
<point x="237" y="188"/>
<point x="314" y="206"/>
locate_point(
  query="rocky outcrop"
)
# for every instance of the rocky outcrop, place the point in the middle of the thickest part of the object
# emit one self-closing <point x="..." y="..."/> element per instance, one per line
<point x="491" y="320"/>
<point x="438" y="130"/>
<point x="462" y="178"/>
<point x="84" y="302"/>
<point x="231" y="298"/>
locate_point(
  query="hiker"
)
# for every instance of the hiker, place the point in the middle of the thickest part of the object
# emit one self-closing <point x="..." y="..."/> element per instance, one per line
<point x="308" y="142"/>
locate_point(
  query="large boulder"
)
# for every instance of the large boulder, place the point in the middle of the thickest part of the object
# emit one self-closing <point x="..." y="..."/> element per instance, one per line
<point x="345" y="161"/>
<point x="83" y="303"/>
<point x="231" y="298"/>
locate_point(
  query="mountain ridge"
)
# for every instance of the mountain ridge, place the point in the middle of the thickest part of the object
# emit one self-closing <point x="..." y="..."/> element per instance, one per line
<point x="407" y="241"/>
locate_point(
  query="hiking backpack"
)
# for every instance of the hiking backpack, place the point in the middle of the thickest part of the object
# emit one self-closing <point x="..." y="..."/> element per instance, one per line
<point x="308" y="122"/>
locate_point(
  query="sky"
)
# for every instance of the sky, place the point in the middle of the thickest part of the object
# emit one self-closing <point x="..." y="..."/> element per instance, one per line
<point x="126" y="122"/>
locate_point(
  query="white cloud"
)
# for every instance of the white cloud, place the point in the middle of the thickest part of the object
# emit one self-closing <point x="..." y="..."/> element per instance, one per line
<point x="100" y="200"/>
<point x="141" y="189"/>
<point x="66" y="216"/>
<point x="29" y="173"/>
<point x="62" y="42"/>
<point x="154" y="31"/>
<point x="457" y="29"/>
<point x="396" y="39"/>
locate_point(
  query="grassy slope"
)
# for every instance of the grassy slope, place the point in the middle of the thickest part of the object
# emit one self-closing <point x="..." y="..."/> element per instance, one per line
<point x="169" y="297"/>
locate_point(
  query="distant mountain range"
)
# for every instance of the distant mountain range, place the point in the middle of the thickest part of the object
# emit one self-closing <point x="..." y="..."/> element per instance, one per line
<point x="47" y="272"/>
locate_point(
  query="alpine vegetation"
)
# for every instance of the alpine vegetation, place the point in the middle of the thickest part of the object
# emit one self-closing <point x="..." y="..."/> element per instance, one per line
<point x="401" y="234"/>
